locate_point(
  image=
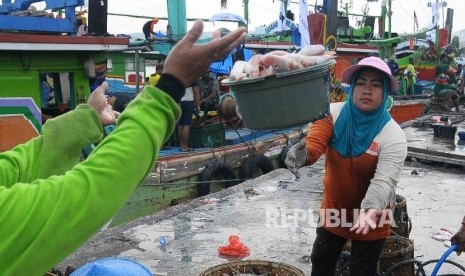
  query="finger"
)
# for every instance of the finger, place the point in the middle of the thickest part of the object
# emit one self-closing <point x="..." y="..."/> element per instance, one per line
<point x="194" y="33"/>
<point x="371" y="223"/>
<point x="355" y="227"/>
<point x="223" y="46"/>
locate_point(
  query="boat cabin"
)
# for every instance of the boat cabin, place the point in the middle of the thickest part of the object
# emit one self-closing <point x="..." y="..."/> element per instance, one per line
<point x="46" y="62"/>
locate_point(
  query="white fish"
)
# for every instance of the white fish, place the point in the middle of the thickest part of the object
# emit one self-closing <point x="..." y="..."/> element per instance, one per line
<point x="280" y="63"/>
<point x="441" y="237"/>
<point x="312" y="50"/>
<point x="243" y="69"/>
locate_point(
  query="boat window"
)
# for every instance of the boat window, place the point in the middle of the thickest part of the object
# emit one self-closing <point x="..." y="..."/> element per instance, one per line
<point x="109" y="65"/>
<point x="56" y="93"/>
<point x="129" y="64"/>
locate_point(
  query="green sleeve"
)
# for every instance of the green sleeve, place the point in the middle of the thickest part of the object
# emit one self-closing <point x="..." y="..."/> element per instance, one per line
<point x="43" y="223"/>
<point x="53" y="152"/>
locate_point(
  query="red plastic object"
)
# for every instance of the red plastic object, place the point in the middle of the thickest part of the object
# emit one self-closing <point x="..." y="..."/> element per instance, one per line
<point x="235" y="248"/>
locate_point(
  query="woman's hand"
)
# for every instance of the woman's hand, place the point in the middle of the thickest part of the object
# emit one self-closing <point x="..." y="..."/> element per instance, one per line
<point x="99" y="102"/>
<point x="367" y="220"/>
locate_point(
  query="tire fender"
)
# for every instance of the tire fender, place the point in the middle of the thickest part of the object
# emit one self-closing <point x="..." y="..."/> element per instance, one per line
<point x="253" y="163"/>
<point x="215" y="171"/>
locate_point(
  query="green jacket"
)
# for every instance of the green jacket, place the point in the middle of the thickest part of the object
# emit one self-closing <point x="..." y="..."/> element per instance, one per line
<point x="51" y="204"/>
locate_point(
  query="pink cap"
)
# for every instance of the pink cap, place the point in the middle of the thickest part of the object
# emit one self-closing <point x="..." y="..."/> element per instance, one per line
<point x="373" y="62"/>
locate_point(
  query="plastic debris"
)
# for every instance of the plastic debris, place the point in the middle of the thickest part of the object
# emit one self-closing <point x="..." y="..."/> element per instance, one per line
<point x="235" y="248"/>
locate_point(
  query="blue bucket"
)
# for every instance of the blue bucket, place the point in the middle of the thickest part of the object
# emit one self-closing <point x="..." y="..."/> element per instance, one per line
<point x="112" y="266"/>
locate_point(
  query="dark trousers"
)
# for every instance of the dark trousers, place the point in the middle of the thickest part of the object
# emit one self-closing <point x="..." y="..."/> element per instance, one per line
<point x="328" y="247"/>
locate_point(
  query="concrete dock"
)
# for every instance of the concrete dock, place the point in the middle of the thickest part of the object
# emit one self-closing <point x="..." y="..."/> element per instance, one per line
<point x="275" y="216"/>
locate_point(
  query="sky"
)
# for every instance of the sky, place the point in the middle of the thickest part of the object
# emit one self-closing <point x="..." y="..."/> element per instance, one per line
<point x="263" y="12"/>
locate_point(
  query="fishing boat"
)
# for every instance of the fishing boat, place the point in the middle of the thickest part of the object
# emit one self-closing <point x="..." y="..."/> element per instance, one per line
<point x="49" y="70"/>
<point x="352" y="44"/>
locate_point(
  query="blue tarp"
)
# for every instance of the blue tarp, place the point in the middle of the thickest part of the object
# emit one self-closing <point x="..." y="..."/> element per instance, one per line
<point x="225" y="66"/>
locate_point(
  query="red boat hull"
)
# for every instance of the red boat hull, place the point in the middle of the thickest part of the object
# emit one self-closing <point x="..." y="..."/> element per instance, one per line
<point x="407" y="112"/>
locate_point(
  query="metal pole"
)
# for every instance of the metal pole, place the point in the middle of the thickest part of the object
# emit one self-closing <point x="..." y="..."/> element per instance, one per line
<point x="246" y="14"/>
<point x="137" y="64"/>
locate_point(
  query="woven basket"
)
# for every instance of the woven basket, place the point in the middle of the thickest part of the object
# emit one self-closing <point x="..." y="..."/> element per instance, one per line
<point x="253" y="267"/>
<point x="401" y="218"/>
<point x="395" y="250"/>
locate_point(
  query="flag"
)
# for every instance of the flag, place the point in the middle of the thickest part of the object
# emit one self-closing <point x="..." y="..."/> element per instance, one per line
<point x="415" y="20"/>
<point x="303" y="23"/>
<point x="282" y="17"/>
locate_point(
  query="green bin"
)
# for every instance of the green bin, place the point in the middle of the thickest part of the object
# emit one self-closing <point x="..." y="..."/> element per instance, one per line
<point x="285" y="99"/>
<point x="207" y="136"/>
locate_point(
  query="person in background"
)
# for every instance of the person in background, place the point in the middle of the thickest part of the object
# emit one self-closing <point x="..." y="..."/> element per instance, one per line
<point x="46" y="90"/>
<point x="445" y="90"/>
<point x="431" y="53"/>
<point x="209" y="96"/>
<point x="410" y="77"/>
<point x="153" y="79"/>
<point x="394" y="66"/>
<point x="459" y="72"/>
<point x="189" y="106"/>
<point x="364" y="152"/>
<point x="147" y="29"/>
<point x="459" y="238"/>
<point x="48" y="200"/>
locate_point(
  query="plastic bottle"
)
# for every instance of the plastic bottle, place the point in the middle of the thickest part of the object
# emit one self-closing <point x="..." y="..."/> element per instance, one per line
<point x="163" y="240"/>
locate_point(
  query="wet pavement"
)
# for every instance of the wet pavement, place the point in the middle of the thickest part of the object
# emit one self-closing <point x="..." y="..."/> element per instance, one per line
<point x="275" y="216"/>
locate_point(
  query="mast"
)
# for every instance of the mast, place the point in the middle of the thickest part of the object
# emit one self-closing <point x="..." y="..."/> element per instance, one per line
<point x="246" y="14"/>
<point x="177" y="17"/>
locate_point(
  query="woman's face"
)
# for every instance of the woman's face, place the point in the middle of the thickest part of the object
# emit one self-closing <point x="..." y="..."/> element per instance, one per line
<point x="368" y="90"/>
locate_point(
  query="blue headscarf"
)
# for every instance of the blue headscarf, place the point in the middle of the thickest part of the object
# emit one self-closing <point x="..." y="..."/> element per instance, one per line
<point x="355" y="130"/>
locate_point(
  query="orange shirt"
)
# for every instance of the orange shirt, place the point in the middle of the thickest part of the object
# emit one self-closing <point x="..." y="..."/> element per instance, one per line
<point x="346" y="182"/>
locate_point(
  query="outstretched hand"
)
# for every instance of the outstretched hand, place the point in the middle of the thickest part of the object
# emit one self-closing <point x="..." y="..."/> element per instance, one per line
<point x="367" y="220"/>
<point x="296" y="158"/>
<point x="98" y="101"/>
<point x="187" y="62"/>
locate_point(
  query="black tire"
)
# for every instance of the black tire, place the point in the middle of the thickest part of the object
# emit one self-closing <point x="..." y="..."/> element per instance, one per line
<point x="216" y="171"/>
<point x="254" y="166"/>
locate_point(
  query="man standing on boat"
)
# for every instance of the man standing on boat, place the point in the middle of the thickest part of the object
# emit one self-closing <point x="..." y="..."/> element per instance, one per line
<point x="364" y="152"/>
<point x="147" y="29"/>
<point x="189" y="106"/>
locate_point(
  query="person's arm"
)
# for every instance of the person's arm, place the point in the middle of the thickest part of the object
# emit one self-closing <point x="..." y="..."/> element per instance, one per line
<point x="309" y="150"/>
<point x="45" y="220"/>
<point x="381" y="191"/>
<point x="55" y="150"/>
<point x="318" y="139"/>
<point x="196" y="93"/>
<point x="393" y="151"/>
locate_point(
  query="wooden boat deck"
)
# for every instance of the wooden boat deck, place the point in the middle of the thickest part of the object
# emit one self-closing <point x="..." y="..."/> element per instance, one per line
<point x="424" y="146"/>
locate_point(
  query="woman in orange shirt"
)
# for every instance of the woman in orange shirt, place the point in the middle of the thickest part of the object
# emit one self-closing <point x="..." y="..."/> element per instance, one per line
<point x="364" y="150"/>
